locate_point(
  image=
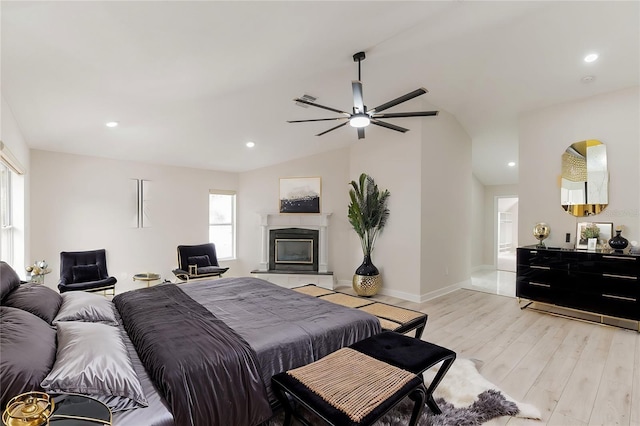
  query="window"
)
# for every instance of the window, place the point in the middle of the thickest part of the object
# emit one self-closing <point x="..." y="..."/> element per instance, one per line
<point x="222" y="223"/>
<point x="6" y="225"/>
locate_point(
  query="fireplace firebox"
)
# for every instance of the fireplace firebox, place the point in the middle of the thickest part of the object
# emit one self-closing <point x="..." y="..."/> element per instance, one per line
<point x="293" y="249"/>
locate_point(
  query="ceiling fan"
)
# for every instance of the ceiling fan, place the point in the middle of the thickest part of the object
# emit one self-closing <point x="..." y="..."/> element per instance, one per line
<point x="361" y="117"/>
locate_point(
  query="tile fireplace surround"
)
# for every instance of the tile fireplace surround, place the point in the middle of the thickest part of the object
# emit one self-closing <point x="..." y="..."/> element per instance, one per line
<point x="320" y="222"/>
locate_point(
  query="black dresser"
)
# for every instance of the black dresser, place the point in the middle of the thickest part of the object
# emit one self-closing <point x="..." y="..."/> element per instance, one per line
<point x="603" y="283"/>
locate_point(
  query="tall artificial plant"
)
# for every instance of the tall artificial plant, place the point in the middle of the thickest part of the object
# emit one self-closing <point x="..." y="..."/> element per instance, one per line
<point x="368" y="212"/>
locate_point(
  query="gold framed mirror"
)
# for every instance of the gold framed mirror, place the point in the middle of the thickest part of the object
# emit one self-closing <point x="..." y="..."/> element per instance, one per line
<point x="584" y="189"/>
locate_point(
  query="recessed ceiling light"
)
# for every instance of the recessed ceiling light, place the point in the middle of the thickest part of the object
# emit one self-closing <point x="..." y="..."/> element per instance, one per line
<point x="511" y="164"/>
<point x="591" y="57"/>
<point x="112" y="124"/>
<point x="250" y="144"/>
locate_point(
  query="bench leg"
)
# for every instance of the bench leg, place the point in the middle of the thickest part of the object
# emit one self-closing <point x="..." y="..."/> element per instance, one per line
<point x="419" y="330"/>
<point x="284" y="401"/>
<point x="436" y="381"/>
<point x="418" y="396"/>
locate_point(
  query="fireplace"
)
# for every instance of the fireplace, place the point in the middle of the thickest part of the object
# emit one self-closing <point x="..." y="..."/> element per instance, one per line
<point x="293" y="249"/>
<point x="278" y="222"/>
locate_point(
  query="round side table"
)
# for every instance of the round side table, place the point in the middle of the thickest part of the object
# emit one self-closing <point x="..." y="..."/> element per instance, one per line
<point x="79" y="410"/>
<point x="39" y="409"/>
<point x="147" y="276"/>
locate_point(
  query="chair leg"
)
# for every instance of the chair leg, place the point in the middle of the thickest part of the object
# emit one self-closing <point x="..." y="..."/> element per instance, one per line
<point x="418" y="396"/>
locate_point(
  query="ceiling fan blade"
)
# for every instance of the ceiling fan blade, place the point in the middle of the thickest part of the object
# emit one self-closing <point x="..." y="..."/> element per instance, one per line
<point x="302" y="101"/>
<point x="358" y="102"/>
<point x="317" y="119"/>
<point x="389" y="126"/>
<point x="401" y="99"/>
<point x="333" y="128"/>
<point x="406" y="114"/>
<point x="360" y="132"/>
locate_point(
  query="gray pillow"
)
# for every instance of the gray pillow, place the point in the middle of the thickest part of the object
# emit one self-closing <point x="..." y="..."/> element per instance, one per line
<point x="9" y="280"/>
<point x="27" y="352"/>
<point x="87" y="307"/>
<point x="92" y="359"/>
<point x="35" y="298"/>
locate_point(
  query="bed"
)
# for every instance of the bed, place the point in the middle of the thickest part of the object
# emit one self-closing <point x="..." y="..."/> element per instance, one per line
<point x="271" y="329"/>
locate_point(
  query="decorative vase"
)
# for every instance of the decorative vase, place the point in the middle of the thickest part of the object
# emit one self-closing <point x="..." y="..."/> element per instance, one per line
<point x="618" y="243"/>
<point x="541" y="231"/>
<point x="367" y="280"/>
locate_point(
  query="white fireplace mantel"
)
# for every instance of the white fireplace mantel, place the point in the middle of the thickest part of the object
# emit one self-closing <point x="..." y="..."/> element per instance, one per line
<point x="320" y="222"/>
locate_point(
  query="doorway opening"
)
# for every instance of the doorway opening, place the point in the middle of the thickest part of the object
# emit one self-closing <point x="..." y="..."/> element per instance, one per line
<point x="507" y="230"/>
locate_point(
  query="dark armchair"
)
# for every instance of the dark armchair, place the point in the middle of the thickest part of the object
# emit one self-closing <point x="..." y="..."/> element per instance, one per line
<point x="85" y="270"/>
<point x="199" y="261"/>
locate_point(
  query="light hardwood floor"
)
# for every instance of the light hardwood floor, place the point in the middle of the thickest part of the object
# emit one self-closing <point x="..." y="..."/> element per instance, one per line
<point x="576" y="373"/>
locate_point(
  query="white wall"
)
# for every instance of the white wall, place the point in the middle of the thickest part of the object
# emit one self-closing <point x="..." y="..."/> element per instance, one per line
<point x="12" y="137"/>
<point x="258" y="192"/>
<point x="612" y="118"/>
<point x="84" y="203"/>
<point x="394" y="162"/>
<point x="446" y="200"/>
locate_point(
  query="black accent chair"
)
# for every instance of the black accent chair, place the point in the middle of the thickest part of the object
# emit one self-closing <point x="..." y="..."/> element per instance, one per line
<point x="85" y="271"/>
<point x="198" y="261"/>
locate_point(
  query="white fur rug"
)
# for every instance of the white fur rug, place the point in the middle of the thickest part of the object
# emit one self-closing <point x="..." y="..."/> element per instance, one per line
<point x="463" y="383"/>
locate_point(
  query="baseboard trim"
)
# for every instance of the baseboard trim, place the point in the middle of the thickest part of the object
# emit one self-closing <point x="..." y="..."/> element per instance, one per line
<point x="343" y="283"/>
<point x="442" y="291"/>
<point x="479" y="268"/>
<point x="400" y="295"/>
<point x="411" y="297"/>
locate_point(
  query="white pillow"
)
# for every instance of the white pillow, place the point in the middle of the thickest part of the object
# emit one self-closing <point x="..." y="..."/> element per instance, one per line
<point x="87" y="307"/>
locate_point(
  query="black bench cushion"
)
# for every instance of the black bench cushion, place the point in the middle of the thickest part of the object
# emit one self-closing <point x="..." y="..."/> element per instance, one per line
<point x="402" y="351"/>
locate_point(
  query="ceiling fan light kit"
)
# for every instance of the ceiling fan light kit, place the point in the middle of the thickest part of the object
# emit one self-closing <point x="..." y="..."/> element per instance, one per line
<point x="361" y="117"/>
<point x="359" y="120"/>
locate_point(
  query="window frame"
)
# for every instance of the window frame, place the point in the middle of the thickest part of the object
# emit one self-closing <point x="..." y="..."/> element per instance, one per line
<point x="233" y="222"/>
<point x="6" y="214"/>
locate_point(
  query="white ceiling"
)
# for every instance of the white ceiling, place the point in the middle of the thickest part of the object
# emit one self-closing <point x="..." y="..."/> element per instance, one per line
<point x="191" y="82"/>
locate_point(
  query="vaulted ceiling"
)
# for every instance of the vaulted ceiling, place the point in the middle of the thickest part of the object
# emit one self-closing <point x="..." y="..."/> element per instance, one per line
<point x="191" y="82"/>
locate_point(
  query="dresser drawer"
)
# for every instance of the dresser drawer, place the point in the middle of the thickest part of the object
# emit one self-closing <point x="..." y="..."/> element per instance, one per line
<point x="554" y="259"/>
<point x="535" y="291"/>
<point x="612" y="305"/>
<point x="621" y="285"/>
<point x="543" y="274"/>
<point x="608" y="264"/>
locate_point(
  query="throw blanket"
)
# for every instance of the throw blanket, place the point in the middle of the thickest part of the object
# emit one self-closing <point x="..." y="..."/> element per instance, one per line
<point x="206" y="372"/>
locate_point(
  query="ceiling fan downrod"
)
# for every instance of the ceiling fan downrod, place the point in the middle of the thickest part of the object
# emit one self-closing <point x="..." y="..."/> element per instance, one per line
<point x="359" y="57"/>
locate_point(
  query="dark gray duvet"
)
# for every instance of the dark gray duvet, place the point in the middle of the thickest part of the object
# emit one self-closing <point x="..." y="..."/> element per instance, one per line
<point x="285" y="329"/>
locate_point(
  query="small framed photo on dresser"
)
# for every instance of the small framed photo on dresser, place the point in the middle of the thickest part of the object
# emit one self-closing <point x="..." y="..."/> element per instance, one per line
<point x="602" y="231"/>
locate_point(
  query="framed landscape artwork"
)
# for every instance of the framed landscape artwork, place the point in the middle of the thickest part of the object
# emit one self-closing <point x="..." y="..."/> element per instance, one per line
<point x="605" y="228"/>
<point x="300" y="195"/>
